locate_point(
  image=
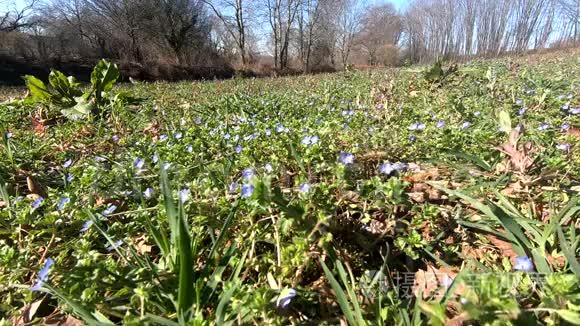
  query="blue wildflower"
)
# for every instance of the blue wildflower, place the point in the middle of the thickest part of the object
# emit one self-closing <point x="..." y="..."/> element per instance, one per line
<point x="69" y="177"/>
<point x="189" y="149"/>
<point x="304" y="188"/>
<point x="346" y="158"/>
<point x="163" y="137"/>
<point x="148" y="193"/>
<point x="37" y="202"/>
<point x="155" y="158"/>
<point x="109" y="210"/>
<point x="310" y="140"/>
<point x="115" y="138"/>
<point x="466" y="125"/>
<point x="233" y="187"/>
<point x="87" y="225"/>
<point x="565" y="126"/>
<point x="8" y="135"/>
<point x="67" y="163"/>
<point x="184" y="195"/>
<point x="268" y="168"/>
<point x="100" y="159"/>
<point x="440" y="124"/>
<point x="412" y="138"/>
<point x="522" y="111"/>
<point x="524" y="264"/>
<point x="563" y="147"/>
<point x="198" y="121"/>
<point x="114" y="245"/>
<point x="285" y="298"/>
<point x="519" y="102"/>
<point x="248" y="173"/>
<point x="238" y="149"/>
<point x="62" y="203"/>
<point x="543" y="126"/>
<point x="268" y="132"/>
<point x="227" y="136"/>
<point x="178" y="135"/>
<point x="575" y="110"/>
<point x="42" y="276"/>
<point x="139" y="163"/>
<point x="247" y="191"/>
<point x="417" y="126"/>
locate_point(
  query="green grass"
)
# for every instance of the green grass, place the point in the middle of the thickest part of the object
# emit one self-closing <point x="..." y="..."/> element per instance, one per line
<point x="239" y="245"/>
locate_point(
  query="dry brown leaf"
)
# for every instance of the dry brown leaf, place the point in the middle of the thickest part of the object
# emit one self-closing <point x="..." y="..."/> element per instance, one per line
<point x="34" y="187"/>
<point x="504" y="247"/>
<point x="434" y="282"/>
<point x="62" y="320"/>
<point x="519" y="157"/>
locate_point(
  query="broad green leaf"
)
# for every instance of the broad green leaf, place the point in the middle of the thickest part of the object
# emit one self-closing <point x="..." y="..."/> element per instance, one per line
<point x="80" y="111"/>
<point x="505" y="122"/>
<point x="37" y="88"/>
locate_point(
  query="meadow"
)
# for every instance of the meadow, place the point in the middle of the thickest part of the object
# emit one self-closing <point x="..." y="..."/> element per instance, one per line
<point x="442" y="195"/>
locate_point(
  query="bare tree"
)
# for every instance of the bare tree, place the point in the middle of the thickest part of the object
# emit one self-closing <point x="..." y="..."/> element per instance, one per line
<point x="281" y="15"/>
<point x="349" y="23"/>
<point x="235" y="24"/>
<point x="15" y="19"/>
<point x="381" y="26"/>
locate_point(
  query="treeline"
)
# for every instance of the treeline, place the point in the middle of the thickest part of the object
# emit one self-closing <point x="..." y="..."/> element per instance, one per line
<point x="265" y="36"/>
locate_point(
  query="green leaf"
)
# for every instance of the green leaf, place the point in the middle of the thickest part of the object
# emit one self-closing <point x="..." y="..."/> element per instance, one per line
<point x="340" y="295"/>
<point x="103" y="78"/>
<point x="37" y="88"/>
<point x="569" y="316"/>
<point x="81" y="110"/>
<point x="568" y="252"/>
<point x="505" y="122"/>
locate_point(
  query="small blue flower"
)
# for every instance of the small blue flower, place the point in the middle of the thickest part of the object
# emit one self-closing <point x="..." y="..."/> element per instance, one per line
<point x="67" y="163"/>
<point x="280" y="128"/>
<point x="466" y="125"/>
<point x="87" y="225"/>
<point x="575" y="111"/>
<point x="114" y="245"/>
<point x="247" y="191"/>
<point x="42" y="276"/>
<point x="62" y="203"/>
<point x="8" y="135"/>
<point x="543" y="126"/>
<point x="524" y="264"/>
<point x="166" y="166"/>
<point x="238" y="149"/>
<point x="346" y="158"/>
<point x="163" y="137"/>
<point x="268" y="168"/>
<point x="412" y="138"/>
<point x="477" y="113"/>
<point x="519" y="102"/>
<point x="285" y="298"/>
<point x="178" y="135"/>
<point x="304" y="188"/>
<point x="198" y="121"/>
<point x="100" y="159"/>
<point x="184" y="195"/>
<point x="268" y="132"/>
<point x="388" y="168"/>
<point x="115" y="138"/>
<point x="440" y="124"/>
<point x="139" y="163"/>
<point x="148" y="193"/>
<point x="233" y="187"/>
<point x="69" y="177"/>
<point x="565" y="126"/>
<point x="189" y="148"/>
<point x="563" y="147"/>
<point x="109" y="210"/>
<point x="522" y="111"/>
<point x="36" y="203"/>
<point x="310" y="140"/>
<point x="417" y="126"/>
<point x="248" y="173"/>
<point x="155" y="158"/>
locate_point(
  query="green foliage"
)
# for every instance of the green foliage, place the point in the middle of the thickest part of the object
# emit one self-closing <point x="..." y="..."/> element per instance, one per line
<point x="66" y="94"/>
